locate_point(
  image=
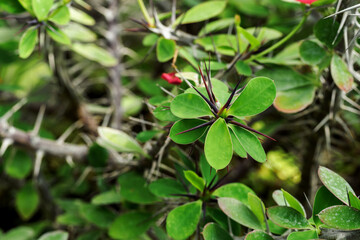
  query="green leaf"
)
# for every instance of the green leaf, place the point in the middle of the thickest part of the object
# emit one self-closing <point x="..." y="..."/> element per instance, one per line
<point x="304" y="235"/>
<point x="206" y="171"/>
<point x="311" y="53"/>
<point x="254" y="42"/>
<point x="279" y="198"/>
<point x="237" y="191"/>
<point x="130" y="225"/>
<point x="341" y="217"/>
<point x="106" y="198"/>
<point x="182" y="221"/>
<point x="354" y="201"/>
<point x="258" y="235"/>
<point x="188" y="137"/>
<point x="216" y="26"/>
<point x="150" y="39"/>
<point x="41" y="8"/>
<point x="166" y="187"/>
<point x="97" y="156"/>
<point x="18" y="164"/>
<point x="218" y="146"/>
<point x="195" y="180"/>
<point x="224" y="43"/>
<point x="213" y="231"/>
<point x="27" y="4"/>
<point x="28" y="42"/>
<point x="257" y="96"/>
<point x="134" y="189"/>
<point x="323" y="199"/>
<point x="242" y="68"/>
<point x="58" y="35"/>
<point x="165" y="49"/>
<point x="294" y="203"/>
<point x="202" y="12"/>
<point x="340" y="74"/>
<point x="288" y="217"/>
<point x="250" y="143"/>
<point x="335" y="183"/>
<point x="163" y="113"/>
<point x="27" y="201"/>
<point x="60" y="16"/>
<point x="326" y="30"/>
<point x="257" y="207"/>
<point x="79" y="16"/>
<point x="189" y="105"/>
<point x="238" y="148"/>
<point x="55" y="235"/>
<point x="118" y="140"/>
<point x="294" y="91"/>
<point x="95" y="53"/>
<point x="239" y="212"/>
<point x="78" y="32"/>
<point x="145" y="136"/>
<point x="11" y="6"/>
<point x="19" y="233"/>
<point x="99" y="216"/>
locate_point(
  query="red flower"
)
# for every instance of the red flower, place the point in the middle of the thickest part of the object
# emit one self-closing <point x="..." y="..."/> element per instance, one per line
<point x="171" y="78"/>
<point x="306" y="1"/>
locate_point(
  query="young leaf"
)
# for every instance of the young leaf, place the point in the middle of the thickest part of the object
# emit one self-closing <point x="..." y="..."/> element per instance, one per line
<point x="187" y="137"/>
<point x="60" y="16"/>
<point x="27" y="201"/>
<point x="55" y="235"/>
<point x="165" y="49"/>
<point x="311" y="52"/>
<point x="218" y="146"/>
<point x="335" y="183"/>
<point x="237" y="191"/>
<point x="166" y="187"/>
<point x="41" y="8"/>
<point x="250" y="143"/>
<point x="195" y="180"/>
<point x="341" y="217"/>
<point x="239" y="212"/>
<point x="130" y="225"/>
<point x="257" y="207"/>
<point x="57" y="35"/>
<point x="213" y="231"/>
<point x="323" y="199"/>
<point x="294" y="203"/>
<point x="189" y="105"/>
<point x="258" y="235"/>
<point x="288" y="217"/>
<point x="354" y="201"/>
<point x="202" y="12"/>
<point x="95" y="53"/>
<point x="28" y="42"/>
<point x="257" y="96"/>
<point x="340" y="74"/>
<point x="304" y="235"/>
<point x="182" y="221"/>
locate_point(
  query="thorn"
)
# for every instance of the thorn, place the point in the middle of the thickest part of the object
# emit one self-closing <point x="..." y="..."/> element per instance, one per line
<point x="13" y="110"/>
<point x="227" y="104"/>
<point x="6" y="143"/>
<point x="197" y="127"/>
<point x="206" y="86"/>
<point x="38" y="160"/>
<point x="251" y="129"/>
<point x="39" y="120"/>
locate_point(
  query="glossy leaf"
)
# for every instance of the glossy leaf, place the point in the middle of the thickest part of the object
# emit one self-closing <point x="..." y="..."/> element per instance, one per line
<point x="335" y="183"/>
<point x="294" y="203"/>
<point x="257" y="96"/>
<point x="27" y="201"/>
<point x="117" y="140"/>
<point x="257" y="207"/>
<point x="258" y="235"/>
<point x="288" y="217"/>
<point x="250" y="143"/>
<point x="202" y="12"/>
<point x="195" y="180"/>
<point x="130" y="225"/>
<point x="165" y="49"/>
<point x="166" y="187"/>
<point x="58" y="35"/>
<point x="354" y="201"/>
<point x="55" y="235"/>
<point x="60" y="16"/>
<point x="182" y="221"/>
<point x="237" y="191"/>
<point x="134" y="189"/>
<point x="218" y="146"/>
<point x="95" y="53"/>
<point x="323" y="199"/>
<point x="341" y="217"/>
<point x="212" y="231"/>
<point x="304" y="235"/>
<point x="279" y="198"/>
<point x="189" y="105"/>
<point x="41" y="8"/>
<point x="311" y="52"/>
<point x="28" y="42"/>
<point x="239" y="212"/>
<point x="340" y="74"/>
<point x="188" y="137"/>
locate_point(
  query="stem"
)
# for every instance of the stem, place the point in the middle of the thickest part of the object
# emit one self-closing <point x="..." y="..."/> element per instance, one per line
<point x="282" y="41"/>
<point x="144" y="11"/>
